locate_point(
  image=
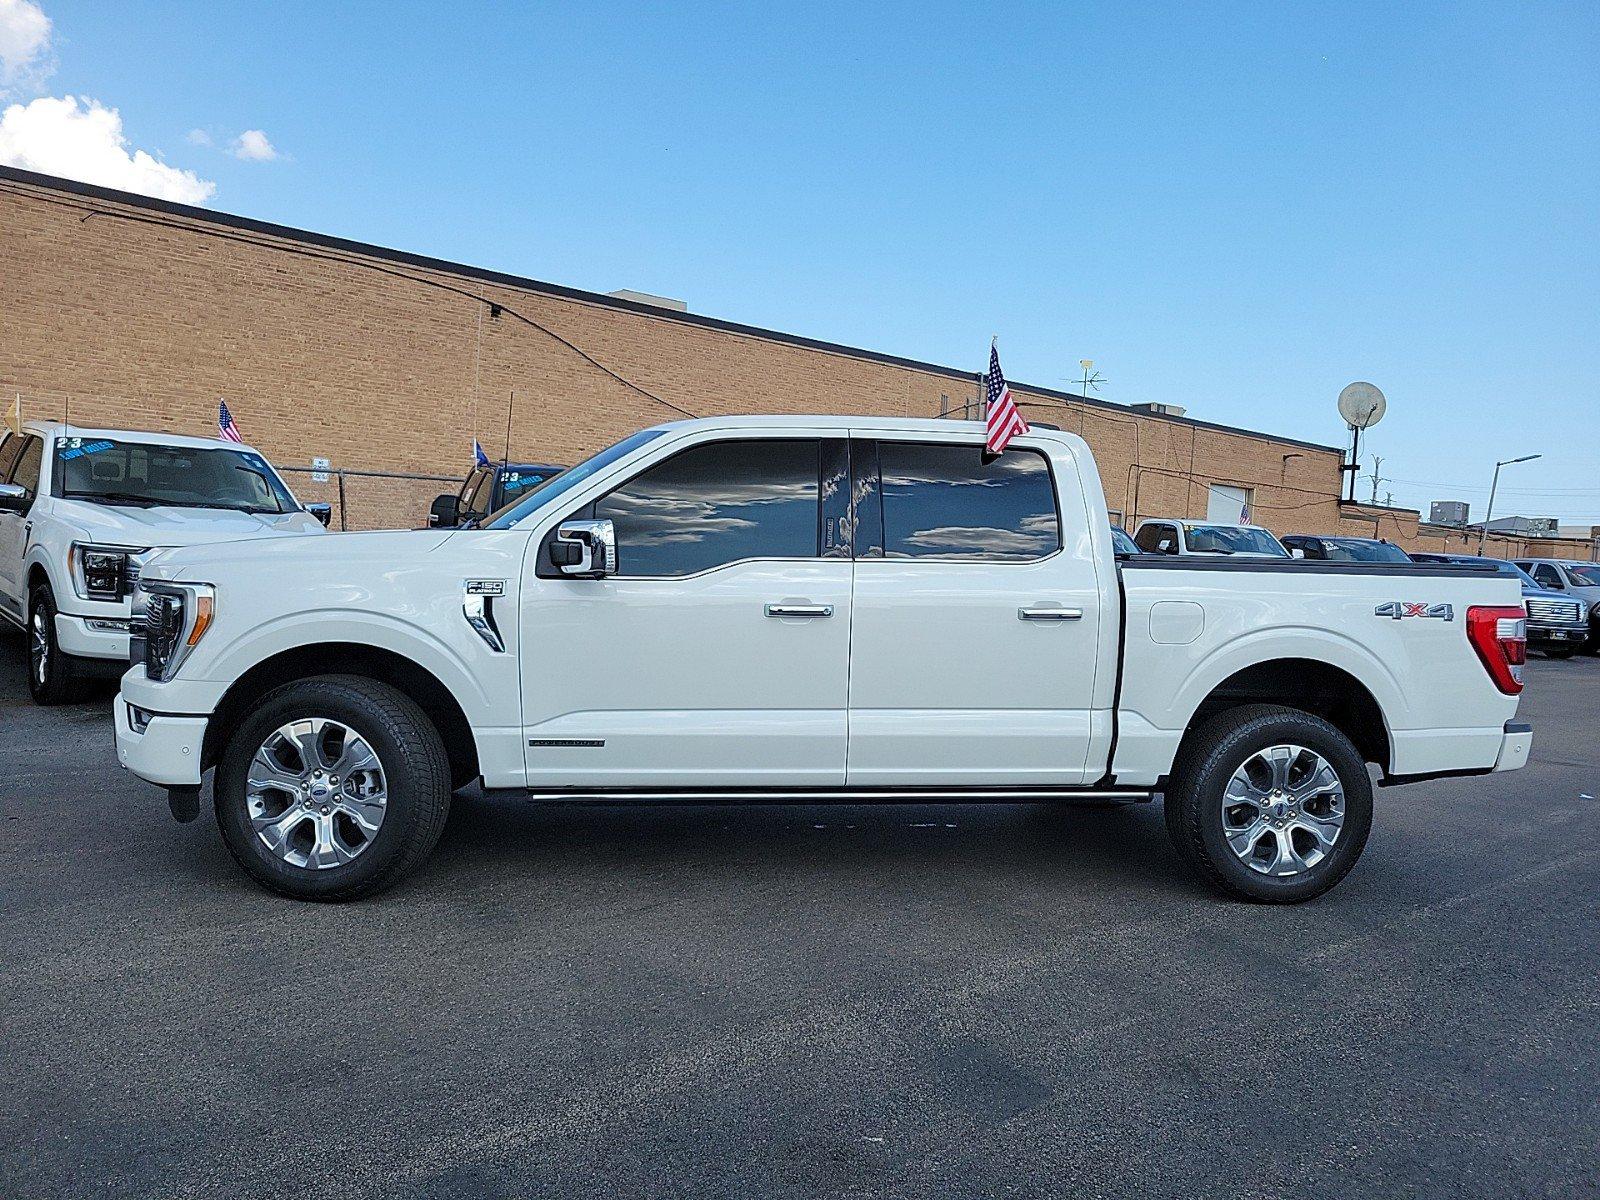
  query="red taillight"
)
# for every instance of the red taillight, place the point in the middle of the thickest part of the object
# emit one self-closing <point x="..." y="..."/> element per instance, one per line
<point x="1500" y="636"/>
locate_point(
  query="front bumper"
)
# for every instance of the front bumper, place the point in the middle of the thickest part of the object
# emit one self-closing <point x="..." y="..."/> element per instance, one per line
<point x="166" y="750"/>
<point x="1573" y="634"/>
<point x="93" y="637"/>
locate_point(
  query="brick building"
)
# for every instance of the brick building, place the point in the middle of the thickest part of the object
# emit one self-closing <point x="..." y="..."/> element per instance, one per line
<point x="122" y="310"/>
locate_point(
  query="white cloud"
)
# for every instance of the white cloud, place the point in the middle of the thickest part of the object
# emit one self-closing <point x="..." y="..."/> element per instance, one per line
<point x="84" y="141"/>
<point x="24" y="43"/>
<point x="253" y="145"/>
<point x="197" y="137"/>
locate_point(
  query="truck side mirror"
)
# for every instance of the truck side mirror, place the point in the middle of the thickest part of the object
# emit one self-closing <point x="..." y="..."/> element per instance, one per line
<point x="585" y="549"/>
<point x="13" y="498"/>
<point x="443" y="514"/>
<point x="322" y="512"/>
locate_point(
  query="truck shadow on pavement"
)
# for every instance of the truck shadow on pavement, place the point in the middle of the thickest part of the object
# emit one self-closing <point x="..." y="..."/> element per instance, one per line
<point x="960" y="845"/>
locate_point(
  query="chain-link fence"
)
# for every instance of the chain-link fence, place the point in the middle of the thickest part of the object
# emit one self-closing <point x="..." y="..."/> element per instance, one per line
<point x="370" y="499"/>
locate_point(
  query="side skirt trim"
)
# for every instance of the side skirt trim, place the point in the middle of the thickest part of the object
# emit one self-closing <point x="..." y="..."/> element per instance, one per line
<point x="944" y="795"/>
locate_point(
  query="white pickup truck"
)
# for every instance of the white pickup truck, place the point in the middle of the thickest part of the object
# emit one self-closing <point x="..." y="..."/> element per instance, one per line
<point x="796" y="608"/>
<point x="82" y="509"/>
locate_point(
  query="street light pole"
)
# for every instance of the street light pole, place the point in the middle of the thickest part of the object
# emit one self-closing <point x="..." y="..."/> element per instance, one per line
<point x="1483" y="532"/>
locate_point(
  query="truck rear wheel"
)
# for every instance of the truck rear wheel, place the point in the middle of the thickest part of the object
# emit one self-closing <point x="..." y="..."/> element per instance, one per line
<point x="1269" y="804"/>
<point x="334" y="787"/>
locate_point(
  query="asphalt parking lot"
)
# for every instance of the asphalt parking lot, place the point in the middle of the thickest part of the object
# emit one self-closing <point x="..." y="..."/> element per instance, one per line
<point x="767" y="1001"/>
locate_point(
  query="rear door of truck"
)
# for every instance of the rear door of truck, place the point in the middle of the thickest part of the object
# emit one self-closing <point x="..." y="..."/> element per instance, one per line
<point x="977" y="615"/>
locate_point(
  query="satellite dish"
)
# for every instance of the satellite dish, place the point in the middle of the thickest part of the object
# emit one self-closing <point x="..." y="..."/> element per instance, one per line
<point x="1361" y="405"/>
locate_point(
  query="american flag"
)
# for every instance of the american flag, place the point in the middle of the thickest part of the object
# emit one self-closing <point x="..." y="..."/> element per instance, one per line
<point x="225" y="426"/>
<point x="479" y="458"/>
<point x="1002" y="419"/>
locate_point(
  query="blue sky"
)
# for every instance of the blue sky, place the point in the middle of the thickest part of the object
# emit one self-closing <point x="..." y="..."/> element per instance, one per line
<point x="1238" y="208"/>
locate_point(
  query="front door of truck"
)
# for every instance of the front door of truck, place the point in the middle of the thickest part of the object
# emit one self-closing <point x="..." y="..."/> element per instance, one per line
<point x="976" y="617"/>
<point x="20" y="460"/>
<point x="717" y="654"/>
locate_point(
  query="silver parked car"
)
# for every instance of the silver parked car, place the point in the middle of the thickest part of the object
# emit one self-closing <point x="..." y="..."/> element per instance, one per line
<point x="1579" y="580"/>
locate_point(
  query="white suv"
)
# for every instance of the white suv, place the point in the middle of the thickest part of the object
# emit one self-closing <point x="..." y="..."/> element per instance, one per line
<point x="82" y="509"/>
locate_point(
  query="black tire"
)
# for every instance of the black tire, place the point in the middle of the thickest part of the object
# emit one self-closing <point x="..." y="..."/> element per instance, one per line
<point x="415" y="766"/>
<point x="1206" y="762"/>
<point x="54" y="676"/>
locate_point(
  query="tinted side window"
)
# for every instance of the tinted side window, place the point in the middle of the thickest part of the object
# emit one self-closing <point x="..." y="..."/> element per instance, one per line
<point x="473" y="500"/>
<point x="944" y="501"/>
<point x="26" y="472"/>
<point x="1546" y="574"/>
<point x="9" y="445"/>
<point x="718" y="503"/>
<point x="1149" y="537"/>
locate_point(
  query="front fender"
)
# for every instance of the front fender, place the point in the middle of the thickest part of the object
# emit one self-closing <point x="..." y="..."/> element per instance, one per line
<point x="463" y="669"/>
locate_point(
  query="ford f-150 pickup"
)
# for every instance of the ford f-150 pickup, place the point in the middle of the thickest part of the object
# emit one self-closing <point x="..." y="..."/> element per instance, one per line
<point x="80" y="511"/>
<point x="803" y="608"/>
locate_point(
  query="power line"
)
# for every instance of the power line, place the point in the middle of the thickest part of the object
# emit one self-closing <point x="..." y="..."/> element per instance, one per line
<point x="496" y="307"/>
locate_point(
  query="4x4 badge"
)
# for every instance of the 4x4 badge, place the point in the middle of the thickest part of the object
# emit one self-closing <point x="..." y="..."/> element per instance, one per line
<point x="1400" y="609"/>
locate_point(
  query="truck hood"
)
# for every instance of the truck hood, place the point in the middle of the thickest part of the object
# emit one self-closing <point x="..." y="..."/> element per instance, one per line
<point x="1529" y="593"/>
<point x="346" y="556"/>
<point x="161" y="527"/>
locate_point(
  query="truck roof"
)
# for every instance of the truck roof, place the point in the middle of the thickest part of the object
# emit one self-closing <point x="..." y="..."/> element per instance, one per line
<point x="841" y="422"/>
<point x="46" y="428"/>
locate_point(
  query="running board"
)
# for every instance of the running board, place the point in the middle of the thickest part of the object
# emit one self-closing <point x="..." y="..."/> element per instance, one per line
<point x="880" y="795"/>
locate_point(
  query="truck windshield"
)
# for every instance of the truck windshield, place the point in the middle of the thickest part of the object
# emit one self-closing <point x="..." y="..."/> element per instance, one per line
<point x="533" y="499"/>
<point x="148" y="474"/>
<point x="1233" y="539"/>
<point x="1363" y="550"/>
<point x="1585" y="576"/>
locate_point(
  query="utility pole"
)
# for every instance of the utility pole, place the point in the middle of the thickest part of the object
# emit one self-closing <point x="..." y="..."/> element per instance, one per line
<point x="1377" y="462"/>
<point x="1483" y="532"/>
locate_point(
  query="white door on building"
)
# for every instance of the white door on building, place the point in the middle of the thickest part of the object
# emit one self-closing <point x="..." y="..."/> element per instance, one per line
<point x="1228" y="505"/>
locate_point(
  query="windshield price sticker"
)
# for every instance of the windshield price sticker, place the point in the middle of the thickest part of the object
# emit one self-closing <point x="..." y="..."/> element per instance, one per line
<point x="77" y="448"/>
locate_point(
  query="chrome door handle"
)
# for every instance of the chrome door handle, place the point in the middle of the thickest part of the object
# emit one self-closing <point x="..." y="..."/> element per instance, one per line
<point x="1050" y="614"/>
<point x="799" y="610"/>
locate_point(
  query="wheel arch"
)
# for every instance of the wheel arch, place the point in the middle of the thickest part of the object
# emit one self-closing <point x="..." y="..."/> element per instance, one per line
<point x="1310" y="685"/>
<point x="38" y="574"/>
<point x="429" y="692"/>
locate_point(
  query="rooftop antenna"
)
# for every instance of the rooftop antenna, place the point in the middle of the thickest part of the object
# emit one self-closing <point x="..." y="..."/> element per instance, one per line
<point x="1092" y="379"/>
<point x="1362" y="406"/>
<point x="510" y="407"/>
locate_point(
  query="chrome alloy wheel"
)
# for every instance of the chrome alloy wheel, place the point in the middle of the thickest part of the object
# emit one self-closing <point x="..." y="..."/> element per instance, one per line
<point x="1283" y="810"/>
<point x="39" y="644"/>
<point x="316" y="793"/>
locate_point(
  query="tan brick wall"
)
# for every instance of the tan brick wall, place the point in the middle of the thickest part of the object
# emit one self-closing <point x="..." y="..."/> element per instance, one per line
<point x="135" y="317"/>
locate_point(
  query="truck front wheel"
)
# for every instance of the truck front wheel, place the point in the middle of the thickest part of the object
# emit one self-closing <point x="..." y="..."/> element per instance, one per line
<point x="334" y="787"/>
<point x="1269" y="804"/>
<point x="54" y="676"/>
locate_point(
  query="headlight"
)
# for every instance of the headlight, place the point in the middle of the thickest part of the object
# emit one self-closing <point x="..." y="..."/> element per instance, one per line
<point x="174" y="618"/>
<point x="101" y="572"/>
